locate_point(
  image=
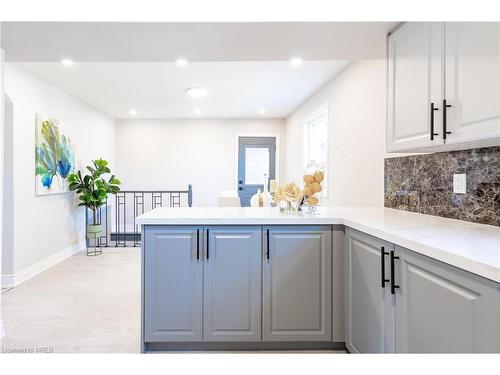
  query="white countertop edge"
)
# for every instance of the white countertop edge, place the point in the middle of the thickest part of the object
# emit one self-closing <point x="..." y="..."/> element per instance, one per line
<point x="241" y="221"/>
<point x="466" y="264"/>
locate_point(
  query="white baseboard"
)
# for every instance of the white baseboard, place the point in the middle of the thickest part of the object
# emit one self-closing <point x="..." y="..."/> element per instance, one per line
<point x="12" y="280"/>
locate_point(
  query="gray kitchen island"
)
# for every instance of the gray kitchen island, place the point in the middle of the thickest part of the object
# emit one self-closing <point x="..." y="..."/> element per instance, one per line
<point x="257" y="279"/>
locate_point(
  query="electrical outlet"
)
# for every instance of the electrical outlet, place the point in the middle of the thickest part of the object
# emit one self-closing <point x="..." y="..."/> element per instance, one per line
<point x="460" y="183"/>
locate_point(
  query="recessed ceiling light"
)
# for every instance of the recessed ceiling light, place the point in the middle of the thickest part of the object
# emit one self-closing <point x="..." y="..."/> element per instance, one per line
<point x="262" y="111"/>
<point x="296" y="61"/>
<point x="67" y="62"/>
<point x="181" y="61"/>
<point x="197" y="111"/>
<point x="133" y="112"/>
<point x="196" y="92"/>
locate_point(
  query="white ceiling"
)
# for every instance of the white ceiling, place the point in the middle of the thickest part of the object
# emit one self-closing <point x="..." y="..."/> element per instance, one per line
<point x="250" y="41"/>
<point x="120" y="66"/>
<point x="157" y="89"/>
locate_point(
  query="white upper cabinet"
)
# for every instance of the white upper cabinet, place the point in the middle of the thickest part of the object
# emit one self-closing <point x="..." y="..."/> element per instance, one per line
<point x="436" y="64"/>
<point x="416" y="61"/>
<point x="473" y="82"/>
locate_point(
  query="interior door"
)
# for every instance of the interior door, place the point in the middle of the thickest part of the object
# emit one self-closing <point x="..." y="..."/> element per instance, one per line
<point x="256" y="158"/>
<point x="370" y="307"/>
<point x="416" y="62"/>
<point x="232" y="274"/>
<point x="473" y="81"/>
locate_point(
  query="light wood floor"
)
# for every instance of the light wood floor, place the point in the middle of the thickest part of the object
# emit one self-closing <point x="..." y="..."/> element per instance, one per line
<point x="83" y="304"/>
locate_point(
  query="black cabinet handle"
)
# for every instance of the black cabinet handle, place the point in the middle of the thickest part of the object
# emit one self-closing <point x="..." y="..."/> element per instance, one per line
<point x="208" y="246"/>
<point x="393" y="281"/>
<point x="445" y="105"/>
<point x="433" y="108"/>
<point x="267" y="245"/>
<point x="197" y="244"/>
<point x="383" y="253"/>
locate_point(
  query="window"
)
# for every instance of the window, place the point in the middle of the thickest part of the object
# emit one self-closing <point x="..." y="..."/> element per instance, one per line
<point x="256" y="165"/>
<point x="316" y="141"/>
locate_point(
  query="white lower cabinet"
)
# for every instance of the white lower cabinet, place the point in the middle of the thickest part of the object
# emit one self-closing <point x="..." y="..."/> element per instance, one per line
<point x="297" y="274"/>
<point x="425" y="306"/>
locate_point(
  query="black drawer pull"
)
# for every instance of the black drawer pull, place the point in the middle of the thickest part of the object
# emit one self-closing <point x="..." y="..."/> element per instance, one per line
<point x="445" y="106"/>
<point x="433" y="108"/>
<point x="197" y="244"/>
<point x="208" y="246"/>
<point x="383" y="253"/>
<point x="393" y="281"/>
<point x="267" y="245"/>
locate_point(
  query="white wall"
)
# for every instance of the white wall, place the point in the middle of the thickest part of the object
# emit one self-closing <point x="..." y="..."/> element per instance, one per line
<point x="170" y="154"/>
<point x="2" y="330"/>
<point x="45" y="225"/>
<point x="8" y="187"/>
<point x="356" y="100"/>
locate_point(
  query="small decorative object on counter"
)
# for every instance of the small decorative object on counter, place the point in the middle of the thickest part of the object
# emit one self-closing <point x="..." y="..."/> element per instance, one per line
<point x="273" y="184"/>
<point x="262" y="198"/>
<point x="288" y="197"/>
<point x="256" y="200"/>
<point x="267" y="198"/>
<point x="313" y="177"/>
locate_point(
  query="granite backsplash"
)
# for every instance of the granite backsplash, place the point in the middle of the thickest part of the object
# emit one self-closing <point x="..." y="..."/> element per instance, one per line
<point x="424" y="183"/>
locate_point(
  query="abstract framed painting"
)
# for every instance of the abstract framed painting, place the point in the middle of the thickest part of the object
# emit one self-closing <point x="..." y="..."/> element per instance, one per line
<point x="54" y="157"/>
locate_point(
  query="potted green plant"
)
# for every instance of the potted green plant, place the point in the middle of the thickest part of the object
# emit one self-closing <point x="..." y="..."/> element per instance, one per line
<point x="93" y="189"/>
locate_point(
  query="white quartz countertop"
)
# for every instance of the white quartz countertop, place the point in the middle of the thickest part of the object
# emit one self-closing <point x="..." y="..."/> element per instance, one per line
<point x="469" y="246"/>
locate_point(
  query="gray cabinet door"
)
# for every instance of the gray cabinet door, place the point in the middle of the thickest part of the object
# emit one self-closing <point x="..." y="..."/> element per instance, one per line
<point x="232" y="284"/>
<point x="441" y="309"/>
<point x="173" y="280"/>
<point x="370" y="309"/>
<point x="297" y="297"/>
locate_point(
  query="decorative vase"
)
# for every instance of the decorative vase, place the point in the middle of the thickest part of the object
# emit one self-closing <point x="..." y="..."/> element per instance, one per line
<point x="295" y="205"/>
<point x="284" y="206"/>
<point x="267" y="198"/>
<point x="289" y="207"/>
<point x="313" y="179"/>
<point x="256" y="199"/>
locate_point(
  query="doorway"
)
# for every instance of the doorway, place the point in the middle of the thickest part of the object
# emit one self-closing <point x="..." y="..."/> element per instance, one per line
<point x="7" y="184"/>
<point x="256" y="158"/>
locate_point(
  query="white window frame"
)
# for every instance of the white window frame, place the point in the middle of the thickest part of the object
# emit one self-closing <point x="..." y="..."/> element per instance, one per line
<point x="319" y="113"/>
